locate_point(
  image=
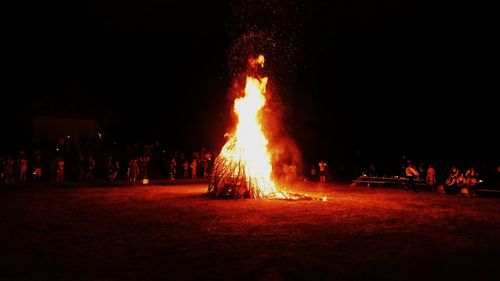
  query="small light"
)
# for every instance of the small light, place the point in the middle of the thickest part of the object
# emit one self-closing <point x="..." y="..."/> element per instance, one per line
<point x="324" y="198"/>
<point x="68" y="137"/>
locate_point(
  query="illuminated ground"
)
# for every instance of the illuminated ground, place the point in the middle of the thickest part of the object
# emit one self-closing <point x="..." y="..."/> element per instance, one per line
<point x="174" y="233"/>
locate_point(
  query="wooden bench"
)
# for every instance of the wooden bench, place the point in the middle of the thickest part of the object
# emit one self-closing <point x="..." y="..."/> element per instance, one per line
<point x="488" y="190"/>
<point x="399" y="181"/>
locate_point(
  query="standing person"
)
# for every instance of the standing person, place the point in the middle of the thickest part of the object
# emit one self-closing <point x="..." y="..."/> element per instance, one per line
<point x="185" y="167"/>
<point x="37" y="167"/>
<point x="322" y="171"/>
<point x="411" y="174"/>
<point x="60" y="170"/>
<point x="204" y="165"/>
<point x="421" y="171"/>
<point x="133" y="171"/>
<point x="430" y="178"/>
<point x="173" y="168"/>
<point x="207" y="157"/>
<point x="113" y="167"/>
<point x="194" y="165"/>
<point x="143" y="167"/>
<point x="23" y="168"/>
<point x="90" y="168"/>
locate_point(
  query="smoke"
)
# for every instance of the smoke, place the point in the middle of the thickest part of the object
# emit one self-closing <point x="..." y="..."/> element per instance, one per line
<point x="284" y="152"/>
<point x="276" y="29"/>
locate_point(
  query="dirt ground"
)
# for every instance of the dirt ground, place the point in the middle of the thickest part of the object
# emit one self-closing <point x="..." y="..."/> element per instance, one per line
<point x="173" y="232"/>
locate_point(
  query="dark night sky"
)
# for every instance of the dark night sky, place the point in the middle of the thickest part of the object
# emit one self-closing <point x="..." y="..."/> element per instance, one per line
<point x="380" y="77"/>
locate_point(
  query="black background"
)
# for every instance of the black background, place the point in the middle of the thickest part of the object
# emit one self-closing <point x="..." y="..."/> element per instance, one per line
<point x="363" y="78"/>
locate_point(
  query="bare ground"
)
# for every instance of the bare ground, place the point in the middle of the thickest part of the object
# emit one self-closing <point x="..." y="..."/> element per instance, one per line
<point x="173" y="232"/>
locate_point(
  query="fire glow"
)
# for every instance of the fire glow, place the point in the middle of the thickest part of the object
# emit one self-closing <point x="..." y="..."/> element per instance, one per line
<point x="243" y="168"/>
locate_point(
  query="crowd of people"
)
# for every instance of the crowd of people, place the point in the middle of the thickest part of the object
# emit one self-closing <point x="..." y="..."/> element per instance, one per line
<point x="69" y="160"/>
<point x="463" y="182"/>
<point x="458" y="182"/>
<point x="451" y="179"/>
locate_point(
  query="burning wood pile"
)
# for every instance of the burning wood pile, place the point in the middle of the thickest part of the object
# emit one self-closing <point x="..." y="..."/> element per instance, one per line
<point x="243" y="168"/>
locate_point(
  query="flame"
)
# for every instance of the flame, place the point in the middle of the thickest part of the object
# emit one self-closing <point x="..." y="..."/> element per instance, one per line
<point x="259" y="61"/>
<point x="248" y="146"/>
<point x="243" y="168"/>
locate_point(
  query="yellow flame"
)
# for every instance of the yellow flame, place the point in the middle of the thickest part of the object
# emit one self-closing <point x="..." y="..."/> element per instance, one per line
<point x="261" y="60"/>
<point x="257" y="61"/>
<point x="248" y="145"/>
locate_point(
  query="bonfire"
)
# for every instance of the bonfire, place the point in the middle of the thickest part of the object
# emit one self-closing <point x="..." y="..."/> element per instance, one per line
<point x="243" y="168"/>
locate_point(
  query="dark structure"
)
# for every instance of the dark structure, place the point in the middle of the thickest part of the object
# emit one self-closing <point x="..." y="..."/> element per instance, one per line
<point x="81" y="119"/>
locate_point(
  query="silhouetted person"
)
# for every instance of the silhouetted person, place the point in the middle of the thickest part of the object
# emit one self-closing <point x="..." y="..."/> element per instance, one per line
<point x="322" y="171"/>
<point x="23" y="169"/>
<point x="133" y="171"/>
<point x="90" y="169"/>
<point x="430" y="177"/>
<point x="59" y="171"/>
<point x="37" y="167"/>
<point x="411" y="174"/>
<point x="113" y="168"/>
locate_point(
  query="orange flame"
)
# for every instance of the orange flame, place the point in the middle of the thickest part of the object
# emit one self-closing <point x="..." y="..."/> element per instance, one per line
<point x="248" y="145"/>
<point x="243" y="168"/>
<point x="257" y="61"/>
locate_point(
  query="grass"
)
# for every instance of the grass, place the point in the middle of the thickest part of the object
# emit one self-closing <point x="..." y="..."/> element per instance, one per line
<point x="173" y="232"/>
